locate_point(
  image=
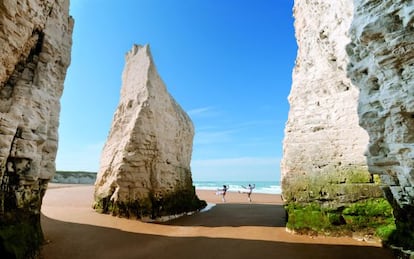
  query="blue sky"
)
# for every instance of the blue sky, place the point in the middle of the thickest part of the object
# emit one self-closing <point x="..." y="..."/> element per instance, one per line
<point x="228" y="63"/>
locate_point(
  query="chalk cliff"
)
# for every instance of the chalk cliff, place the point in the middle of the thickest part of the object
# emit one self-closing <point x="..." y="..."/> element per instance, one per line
<point x="35" y="40"/>
<point x="323" y="145"/>
<point x="382" y="66"/>
<point x="323" y="149"/>
<point x="145" y="164"/>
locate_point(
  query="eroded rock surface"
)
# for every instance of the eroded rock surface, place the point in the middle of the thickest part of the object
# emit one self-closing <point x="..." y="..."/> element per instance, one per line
<point x="145" y="164"/>
<point x="323" y="149"/>
<point x="35" y="40"/>
<point x="323" y="145"/>
<point x="382" y="66"/>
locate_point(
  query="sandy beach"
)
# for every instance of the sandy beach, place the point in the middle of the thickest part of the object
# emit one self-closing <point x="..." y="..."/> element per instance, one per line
<point x="234" y="229"/>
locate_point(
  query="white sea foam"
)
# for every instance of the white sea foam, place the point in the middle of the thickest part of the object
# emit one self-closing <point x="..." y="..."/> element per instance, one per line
<point x="208" y="207"/>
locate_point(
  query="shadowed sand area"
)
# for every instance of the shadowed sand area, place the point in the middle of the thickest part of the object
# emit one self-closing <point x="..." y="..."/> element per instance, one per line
<point x="235" y="229"/>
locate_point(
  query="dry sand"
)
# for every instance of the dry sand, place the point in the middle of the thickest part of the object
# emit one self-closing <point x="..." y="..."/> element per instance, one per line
<point x="235" y="229"/>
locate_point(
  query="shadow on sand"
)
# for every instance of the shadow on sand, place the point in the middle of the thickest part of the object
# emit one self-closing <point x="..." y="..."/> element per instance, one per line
<point x="70" y="240"/>
<point x="236" y="215"/>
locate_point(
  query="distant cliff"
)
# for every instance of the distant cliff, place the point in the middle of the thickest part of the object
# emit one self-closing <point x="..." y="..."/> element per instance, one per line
<point x="74" y="177"/>
<point x="35" y="40"/>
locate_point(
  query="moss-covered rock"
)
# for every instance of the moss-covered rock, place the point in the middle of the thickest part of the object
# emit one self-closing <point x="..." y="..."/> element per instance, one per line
<point x="342" y="185"/>
<point x="20" y="235"/>
<point x="154" y="206"/>
<point x="403" y="236"/>
<point x="371" y="217"/>
<point x="20" y="231"/>
<point x="337" y="202"/>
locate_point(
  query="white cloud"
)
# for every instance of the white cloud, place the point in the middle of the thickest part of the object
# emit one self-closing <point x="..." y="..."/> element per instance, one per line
<point x="210" y="137"/>
<point x="207" y="111"/>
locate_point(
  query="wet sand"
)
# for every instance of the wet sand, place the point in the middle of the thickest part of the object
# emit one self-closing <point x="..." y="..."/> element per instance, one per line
<point x="234" y="229"/>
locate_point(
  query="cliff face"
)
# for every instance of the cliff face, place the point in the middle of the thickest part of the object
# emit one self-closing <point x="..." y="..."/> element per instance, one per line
<point x="145" y="164"/>
<point x="35" y="38"/>
<point x="323" y="145"/>
<point x="381" y="65"/>
<point x="323" y="149"/>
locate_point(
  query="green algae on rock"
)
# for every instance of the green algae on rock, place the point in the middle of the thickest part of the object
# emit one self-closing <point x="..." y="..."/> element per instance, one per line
<point x="372" y="217"/>
<point x="339" y="185"/>
<point x="337" y="203"/>
<point x="153" y="207"/>
<point x="20" y="235"/>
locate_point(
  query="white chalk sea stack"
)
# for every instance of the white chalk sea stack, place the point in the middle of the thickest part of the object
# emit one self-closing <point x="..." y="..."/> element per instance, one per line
<point x="145" y="163"/>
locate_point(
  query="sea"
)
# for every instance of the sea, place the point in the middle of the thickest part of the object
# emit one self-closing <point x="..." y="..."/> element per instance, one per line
<point x="267" y="187"/>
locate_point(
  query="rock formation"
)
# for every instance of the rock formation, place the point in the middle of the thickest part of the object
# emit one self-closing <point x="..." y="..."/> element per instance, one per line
<point x="382" y="66"/>
<point x="323" y="150"/>
<point x="74" y="177"/>
<point x="35" y="40"/>
<point x="145" y="163"/>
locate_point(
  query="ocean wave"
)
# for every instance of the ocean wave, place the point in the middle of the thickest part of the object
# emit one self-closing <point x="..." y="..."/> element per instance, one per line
<point x="261" y="187"/>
